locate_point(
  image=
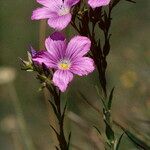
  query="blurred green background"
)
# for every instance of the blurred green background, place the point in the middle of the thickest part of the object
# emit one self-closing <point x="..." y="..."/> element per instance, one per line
<point x="24" y="115"/>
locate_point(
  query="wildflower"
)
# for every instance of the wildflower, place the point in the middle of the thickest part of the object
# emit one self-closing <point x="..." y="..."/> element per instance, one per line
<point x="98" y="3"/>
<point x="56" y="11"/>
<point x="65" y="59"/>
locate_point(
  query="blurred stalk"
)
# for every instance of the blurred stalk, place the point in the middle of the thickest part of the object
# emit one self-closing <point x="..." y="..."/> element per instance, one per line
<point x="51" y="116"/>
<point x="96" y="141"/>
<point x="42" y="34"/>
<point x="16" y="143"/>
<point x="20" y="117"/>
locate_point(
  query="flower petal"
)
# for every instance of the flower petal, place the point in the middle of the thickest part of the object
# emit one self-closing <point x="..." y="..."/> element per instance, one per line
<point x="41" y="13"/>
<point x="56" y="45"/>
<point x="57" y="36"/>
<point x="82" y="66"/>
<point x="98" y="3"/>
<point x="71" y="3"/>
<point x="62" y="78"/>
<point x="59" y="22"/>
<point x="32" y="51"/>
<point x="77" y="47"/>
<point x="52" y="4"/>
<point x="44" y="57"/>
<point x="45" y="3"/>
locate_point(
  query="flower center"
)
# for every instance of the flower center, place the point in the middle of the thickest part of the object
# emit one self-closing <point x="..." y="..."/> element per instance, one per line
<point x="64" y="64"/>
<point x="63" y="10"/>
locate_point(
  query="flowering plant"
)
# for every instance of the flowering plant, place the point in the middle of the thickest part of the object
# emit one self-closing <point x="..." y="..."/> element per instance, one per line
<point x="65" y="59"/>
<point x="56" y="65"/>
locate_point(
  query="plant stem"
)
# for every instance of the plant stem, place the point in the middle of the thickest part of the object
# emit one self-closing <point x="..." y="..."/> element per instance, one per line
<point x="51" y="117"/>
<point x="99" y="56"/>
<point x="60" y="117"/>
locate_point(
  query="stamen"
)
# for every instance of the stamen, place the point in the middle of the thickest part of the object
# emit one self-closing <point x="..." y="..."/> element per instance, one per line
<point x="63" y="10"/>
<point x="64" y="65"/>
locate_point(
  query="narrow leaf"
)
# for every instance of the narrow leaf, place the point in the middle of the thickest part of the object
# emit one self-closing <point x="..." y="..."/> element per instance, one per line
<point x="110" y="99"/>
<point x="54" y="130"/>
<point x="138" y="142"/>
<point x="69" y="139"/>
<point x="97" y="130"/>
<point x="109" y="132"/>
<point x="118" y="142"/>
<point x="131" y="1"/>
<point x="63" y="115"/>
<point x="54" y="109"/>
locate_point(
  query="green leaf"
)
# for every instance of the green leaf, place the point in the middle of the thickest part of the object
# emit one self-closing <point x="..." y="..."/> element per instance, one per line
<point x="137" y="142"/>
<point x="109" y="132"/>
<point x="97" y="130"/>
<point x="64" y="111"/>
<point x="131" y="1"/>
<point x="102" y="100"/>
<point x="54" y="130"/>
<point x="55" y="110"/>
<point x="69" y="139"/>
<point x="117" y="143"/>
<point x="110" y="99"/>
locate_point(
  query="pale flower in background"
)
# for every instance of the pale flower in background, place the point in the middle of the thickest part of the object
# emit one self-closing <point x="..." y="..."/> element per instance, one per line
<point x="128" y="79"/>
<point x="7" y="75"/>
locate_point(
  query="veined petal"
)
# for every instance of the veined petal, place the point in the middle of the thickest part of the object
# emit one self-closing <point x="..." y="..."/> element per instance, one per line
<point x="98" y="3"/>
<point x="82" y="66"/>
<point x="45" y="3"/>
<point x="62" y="78"/>
<point x="44" y="57"/>
<point x="56" y="46"/>
<point x="59" y="22"/>
<point x="77" y="47"/>
<point x="71" y="3"/>
<point x="41" y="13"/>
<point x="52" y="4"/>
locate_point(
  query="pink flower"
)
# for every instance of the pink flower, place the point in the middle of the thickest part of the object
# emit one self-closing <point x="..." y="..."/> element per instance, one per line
<point x="98" y="3"/>
<point x="65" y="59"/>
<point x="56" y="11"/>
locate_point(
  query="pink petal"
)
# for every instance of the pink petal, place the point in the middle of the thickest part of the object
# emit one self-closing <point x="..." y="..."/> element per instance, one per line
<point x="71" y="3"/>
<point x="82" y="66"/>
<point x="62" y="78"/>
<point x="59" y="22"/>
<point x="52" y="4"/>
<point x="56" y="46"/>
<point x="44" y="57"/>
<point x="77" y="47"/>
<point x="45" y="3"/>
<point x="98" y="3"/>
<point x="41" y="13"/>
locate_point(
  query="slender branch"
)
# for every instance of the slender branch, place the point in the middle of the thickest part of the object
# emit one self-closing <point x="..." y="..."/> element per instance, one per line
<point x="60" y="117"/>
<point x="99" y="55"/>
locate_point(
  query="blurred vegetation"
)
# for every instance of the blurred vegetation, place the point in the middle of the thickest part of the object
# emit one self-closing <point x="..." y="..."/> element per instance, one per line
<point x="24" y="119"/>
